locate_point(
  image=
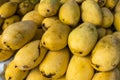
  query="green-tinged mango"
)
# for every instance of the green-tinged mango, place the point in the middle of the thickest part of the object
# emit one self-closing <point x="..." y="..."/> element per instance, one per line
<point x="91" y="12"/>
<point x="69" y="13"/>
<point x="34" y="16"/>
<point x="12" y="72"/>
<point x="82" y="39"/>
<point x="59" y="33"/>
<point x="79" y="68"/>
<point x="10" y="20"/>
<point x="48" y="8"/>
<point x="55" y="63"/>
<point x="105" y="55"/>
<point x="107" y="17"/>
<point x="35" y="74"/>
<point x="8" y="9"/>
<point x="29" y="56"/>
<point x="108" y="75"/>
<point x="18" y="34"/>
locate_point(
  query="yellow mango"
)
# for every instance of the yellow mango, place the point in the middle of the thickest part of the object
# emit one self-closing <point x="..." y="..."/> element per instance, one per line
<point x="59" y="33"/>
<point x="79" y="68"/>
<point x="82" y="39"/>
<point x="8" y="9"/>
<point x="18" y="34"/>
<point x="69" y="13"/>
<point x="105" y="55"/>
<point x="29" y="56"/>
<point x="91" y="12"/>
<point x="12" y="72"/>
<point x="48" y="8"/>
<point x="34" y="16"/>
<point x="55" y="63"/>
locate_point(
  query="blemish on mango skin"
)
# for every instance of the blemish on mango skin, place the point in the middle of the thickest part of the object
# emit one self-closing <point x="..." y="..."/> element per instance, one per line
<point x="25" y="66"/>
<point x="9" y="78"/>
<point x="50" y="75"/>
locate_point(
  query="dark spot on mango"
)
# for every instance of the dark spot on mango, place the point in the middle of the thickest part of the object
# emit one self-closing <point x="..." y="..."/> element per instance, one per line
<point x="50" y="75"/>
<point x="80" y="52"/>
<point x="9" y="78"/>
<point x="48" y="10"/>
<point x="60" y="36"/>
<point x="44" y="43"/>
<point x="15" y="66"/>
<point x="7" y="45"/>
<point x="25" y="66"/>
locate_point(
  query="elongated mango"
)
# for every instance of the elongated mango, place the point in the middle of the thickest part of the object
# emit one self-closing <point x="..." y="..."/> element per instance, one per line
<point x="105" y="55"/>
<point x="91" y="12"/>
<point x="82" y="39"/>
<point x="117" y="20"/>
<point x="59" y="33"/>
<point x="29" y="56"/>
<point x="69" y="13"/>
<point x="34" y="16"/>
<point x="109" y="75"/>
<point x="48" y="8"/>
<point x="12" y="72"/>
<point x="107" y="17"/>
<point x="55" y="63"/>
<point x="35" y="74"/>
<point x="79" y="68"/>
<point x="111" y="3"/>
<point x="18" y="34"/>
<point x="10" y="20"/>
<point x="48" y="22"/>
<point x="8" y="9"/>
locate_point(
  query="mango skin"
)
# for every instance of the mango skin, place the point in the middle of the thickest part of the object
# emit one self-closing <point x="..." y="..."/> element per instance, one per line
<point x="10" y="20"/>
<point x="59" y="33"/>
<point x="34" y="16"/>
<point x="117" y="21"/>
<point x="111" y="4"/>
<point x="82" y="39"/>
<point x="79" y="68"/>
<point x="16" y="35"/>
<point x="29" y="56"/>
<point x="12" y="72"/>
<point x="48" y="8"/>
<point x="106" y="47"/>
<point x="36" y="75"/>
<point x="91" y="12"/>
<point x="107" y="17"/>
<point x="8" y="9"/>
<point x="59" y="59"/>
<point x="109" y="75"/>
<point x="48" y="22"/>
<point x="69" y="13"/>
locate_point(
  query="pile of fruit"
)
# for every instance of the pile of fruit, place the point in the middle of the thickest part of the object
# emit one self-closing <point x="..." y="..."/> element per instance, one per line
<point x="60" y="39"/>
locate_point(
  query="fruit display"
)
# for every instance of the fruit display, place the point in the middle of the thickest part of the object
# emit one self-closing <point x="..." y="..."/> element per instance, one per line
<point x="60" y="40"/>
